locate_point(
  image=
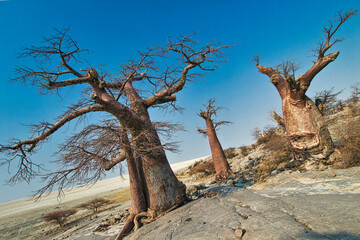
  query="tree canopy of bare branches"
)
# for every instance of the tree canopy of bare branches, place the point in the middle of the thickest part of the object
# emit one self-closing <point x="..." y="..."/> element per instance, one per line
<point x="59" y="216"/>
<point x="208" y="114"/>
<point x="285" y="72"/>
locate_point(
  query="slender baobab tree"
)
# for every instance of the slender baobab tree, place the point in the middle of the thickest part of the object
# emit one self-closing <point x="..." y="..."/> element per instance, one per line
<point x="305" y="126"/>
<point x="150" y="81"/>
<point x="221" y="165"/>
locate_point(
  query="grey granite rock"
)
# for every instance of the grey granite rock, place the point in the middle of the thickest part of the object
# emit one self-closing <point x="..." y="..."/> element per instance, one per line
<point x="291" y="205"/>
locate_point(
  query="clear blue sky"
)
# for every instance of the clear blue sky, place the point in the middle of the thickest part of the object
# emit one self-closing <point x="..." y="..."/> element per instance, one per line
<point x="116" y="30"/>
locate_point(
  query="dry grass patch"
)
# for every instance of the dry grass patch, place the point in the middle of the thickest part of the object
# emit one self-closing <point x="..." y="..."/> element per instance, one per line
<point x="245" y="150"/>
<point x="206" y="167"/>
<point x="120" y="197"/>
<point x="349" y="146"/>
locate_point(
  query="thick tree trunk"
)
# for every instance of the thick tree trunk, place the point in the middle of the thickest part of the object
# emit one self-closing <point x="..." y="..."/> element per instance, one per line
<point x="305" y="126"/>
<point x="221" y="165"/>
<point x="306" y="129"/>
<point x="162" y="189"/>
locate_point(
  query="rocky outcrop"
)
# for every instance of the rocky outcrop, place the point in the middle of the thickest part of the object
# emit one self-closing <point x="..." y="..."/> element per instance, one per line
<point x="291" y="205"/>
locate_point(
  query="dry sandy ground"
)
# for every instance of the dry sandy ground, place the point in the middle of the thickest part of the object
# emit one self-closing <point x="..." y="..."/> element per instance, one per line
<point x="76" y="193"/>
<point x="19" y="217"/>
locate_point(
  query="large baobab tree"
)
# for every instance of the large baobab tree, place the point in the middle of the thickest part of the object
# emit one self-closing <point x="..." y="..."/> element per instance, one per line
<point x="221" y="165"/>
<point x="150" y="81"/>
<point x="305" y="126"/>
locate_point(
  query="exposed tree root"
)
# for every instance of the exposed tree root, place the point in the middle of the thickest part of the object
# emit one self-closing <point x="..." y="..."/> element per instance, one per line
<point x="138" y="217"/>
<point x="127" y="228"/>
<point x="135" y="221"/>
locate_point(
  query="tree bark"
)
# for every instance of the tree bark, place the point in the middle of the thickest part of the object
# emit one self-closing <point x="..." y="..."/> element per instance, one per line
<point x="138" y="201"/>
<point x="221" y="165"/>
<point x="306" y="129"/>
<point x="305" y="126"/>
<point x="162" y="189"/>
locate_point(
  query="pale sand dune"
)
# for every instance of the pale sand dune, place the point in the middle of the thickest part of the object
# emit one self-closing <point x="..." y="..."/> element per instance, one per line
<point x="107" y="185"/>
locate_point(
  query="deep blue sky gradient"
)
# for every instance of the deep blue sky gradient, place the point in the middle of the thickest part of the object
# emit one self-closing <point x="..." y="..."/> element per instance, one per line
<point x="115" y="30"/>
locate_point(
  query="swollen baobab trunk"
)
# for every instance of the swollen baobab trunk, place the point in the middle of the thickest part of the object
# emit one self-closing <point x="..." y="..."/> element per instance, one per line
<point x="221" y="165"/>
<point x="306" y="129"/>
<point x="304" y="123"/>
<point x="161" y="187"/>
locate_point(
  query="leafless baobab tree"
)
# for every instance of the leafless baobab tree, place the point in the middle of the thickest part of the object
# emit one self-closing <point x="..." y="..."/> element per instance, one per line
<point x="150" y="81"/>
<point x="221" y="165"/>
<point x="306" y="129"/>
<point x="325" y="100"/>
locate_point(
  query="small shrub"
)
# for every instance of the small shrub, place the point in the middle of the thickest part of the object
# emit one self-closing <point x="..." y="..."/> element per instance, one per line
<point x="354" y="109"/>
<point x="59" y="216"/>
<point x="95" y="204"/>
<point x="263" y="136"/>
<point x="230" y="153"/>
<point x="245" y="150"/>
<point x="349" y="146"/>
<point x="120" y="196"/>
<point x="206" y="167"/>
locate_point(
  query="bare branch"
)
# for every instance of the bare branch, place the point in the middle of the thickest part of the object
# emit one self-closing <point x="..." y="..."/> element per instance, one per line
<point x="329" y="31"/>
<point x="218" y="124"/>
<point x="22" y="149"/>
<point x="305" y="80"/>
<point x="210" y="109"/>
<point x="325" y="100"/>
<point x="207" y="114"/>
<point x="202" y="131"/>
<point x="61" y="45"/>
<point x="283" y="76"/>
<point x="193" y="56"/>
<point x="324" y="45"/>
<point x="277" y="118"/>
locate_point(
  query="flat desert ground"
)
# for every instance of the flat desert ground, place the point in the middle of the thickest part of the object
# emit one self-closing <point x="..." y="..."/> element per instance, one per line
<point x="20" y="216"/>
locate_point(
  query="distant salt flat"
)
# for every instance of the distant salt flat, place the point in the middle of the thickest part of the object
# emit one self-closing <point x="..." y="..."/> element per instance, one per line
<point x="79" y="192"/>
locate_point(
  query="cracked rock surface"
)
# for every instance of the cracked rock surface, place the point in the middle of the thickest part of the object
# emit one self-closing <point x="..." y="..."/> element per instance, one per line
<point x="291" y="205"/>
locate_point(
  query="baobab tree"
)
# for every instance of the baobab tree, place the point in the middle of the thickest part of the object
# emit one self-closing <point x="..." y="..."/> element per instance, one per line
<point x="221" y="165"/>
<point x="305" y="126"/>
<point x="150" y="81"/>
<point x="325" y="100"/>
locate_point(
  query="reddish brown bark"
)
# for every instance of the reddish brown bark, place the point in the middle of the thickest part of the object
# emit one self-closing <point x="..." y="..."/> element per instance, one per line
<point x="162" y="189"/>
<point x="221" y="165"/>
<point x="306" y="129"/>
